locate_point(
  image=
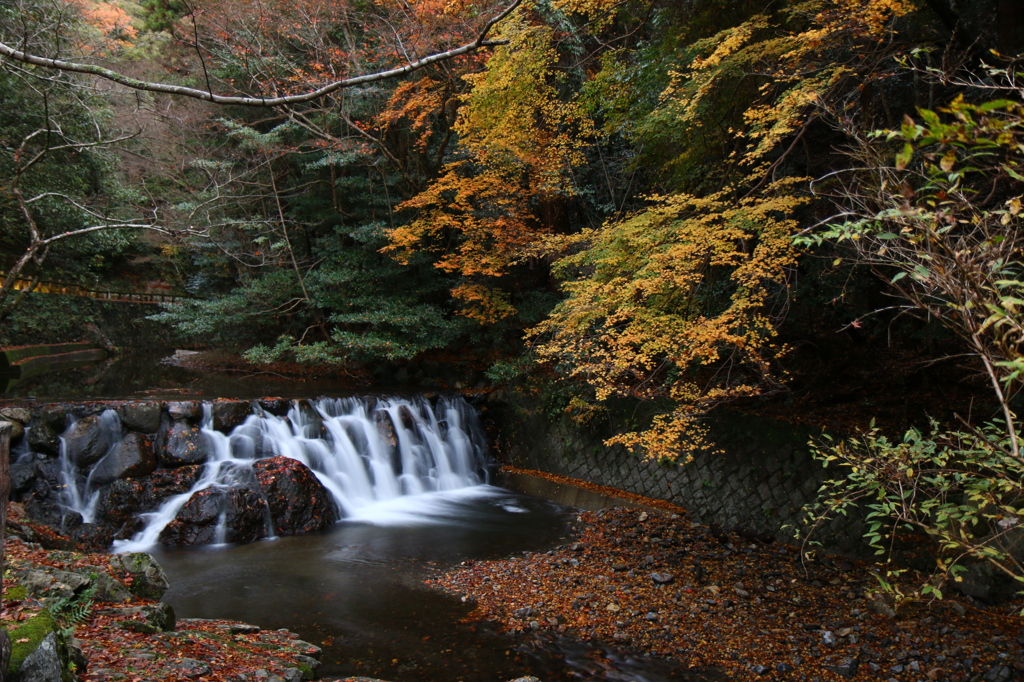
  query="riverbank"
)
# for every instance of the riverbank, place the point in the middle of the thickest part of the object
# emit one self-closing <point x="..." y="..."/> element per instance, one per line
<point x="719" y="606"/>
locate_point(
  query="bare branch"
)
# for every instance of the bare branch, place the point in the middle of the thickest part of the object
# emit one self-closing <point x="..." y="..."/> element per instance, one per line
<point x="207" y="95"/>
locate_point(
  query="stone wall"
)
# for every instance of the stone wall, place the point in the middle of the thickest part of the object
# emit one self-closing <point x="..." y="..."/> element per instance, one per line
<point x="757" y="485"/>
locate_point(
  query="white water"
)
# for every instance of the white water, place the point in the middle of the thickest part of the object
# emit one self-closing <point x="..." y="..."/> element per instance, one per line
<point x="78" y="495"/>
<point x="385" y="461"/>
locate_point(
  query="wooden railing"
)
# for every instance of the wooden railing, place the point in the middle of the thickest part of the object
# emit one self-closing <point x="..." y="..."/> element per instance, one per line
<point x="62" y="289"/>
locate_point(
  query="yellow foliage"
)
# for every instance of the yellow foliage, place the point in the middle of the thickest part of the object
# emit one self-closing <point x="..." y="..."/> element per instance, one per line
<point x="520" y="141"/>
<point x="674" y="305"/>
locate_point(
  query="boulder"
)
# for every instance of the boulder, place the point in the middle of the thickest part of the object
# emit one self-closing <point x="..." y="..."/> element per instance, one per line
<point x="140" y="417"/>
<point x="130" y="458"/>
<point x="42" y="438"/>
<point x="240" y="513"/>
<point x="144" y="576"/>
<point x="42" y="503"/>
<point x="276" y="406"/>
<point x="165" y="483"/>
<point x="227" y="414"/>
<point x="16" y="414"/>
<point x="192" y="410"/>
<point x="299" y="503"/>
<point x="86" y="442"/>
<point x="119" y="504"/>
<point x="91" y="537"/>
<point x="158" y="617"/>
<point x="23" y="473"/>
<point x="17" y="431"/>
<point x="109" y="589"/>
<point x="48" y="663"/>
<point x="183" y="443"/>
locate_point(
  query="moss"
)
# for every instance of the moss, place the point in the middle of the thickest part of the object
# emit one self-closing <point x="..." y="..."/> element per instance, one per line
<point x="16" y="593"/>
<point x="34" y="630"/>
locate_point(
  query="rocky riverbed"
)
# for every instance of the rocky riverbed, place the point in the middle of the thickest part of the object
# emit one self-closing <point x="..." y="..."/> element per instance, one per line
<point x="718" y="606"/>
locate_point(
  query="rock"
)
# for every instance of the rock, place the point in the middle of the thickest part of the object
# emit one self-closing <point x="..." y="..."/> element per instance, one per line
<point x="192" y="410"/>
<point x="23" y="473"/>
<point x="17" y="431"/>
<point x="998" y="673"/>
<point x="881" y="604"/>
<point x="48" y="663"/>
<point x="92" y="537"/>
<point x="182" y="443"/>
<point x="227" y="414"/>
<point x="130" y="458"/>
<point x="148" y="579"/>
<point x="613" y="608"/>
<point x="159" y="617"/>
<point x="847" y="668"/>
<point x="118" y="505"/>
<point x="190" y="667"/>
<point x="619" y="567"/>
<point x="288" y="675"/>
<point x="164" y="483"/>
<point x="109" y="590"/>
<point x="42" y="438"/>
<point x="16" y="414"/>
<point x="243" y="629"/>
<point x="140" y="417"/>
<point x="86" y="442"/>
<point x="828" y="639"/>
<point x="276" y="406"/>
<point x="662" y="578"/>
<point x="308" y="666"/>
<point x="299" y="503"/>
<point x="761" y="670"/>
<point x="239" y="513"/>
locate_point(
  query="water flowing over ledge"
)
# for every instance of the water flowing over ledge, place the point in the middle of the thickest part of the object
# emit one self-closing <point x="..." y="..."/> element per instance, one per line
<point x="382" y="461"/>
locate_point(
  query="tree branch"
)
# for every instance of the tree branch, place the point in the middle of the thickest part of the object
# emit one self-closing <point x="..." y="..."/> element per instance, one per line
<point x="208" y="96"/>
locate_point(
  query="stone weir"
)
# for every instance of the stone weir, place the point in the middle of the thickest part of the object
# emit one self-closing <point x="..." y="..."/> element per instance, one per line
<point x="137" y="474"/>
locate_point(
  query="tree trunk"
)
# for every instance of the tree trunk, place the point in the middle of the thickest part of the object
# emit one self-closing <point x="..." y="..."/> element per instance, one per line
<point x="5" y="493"/>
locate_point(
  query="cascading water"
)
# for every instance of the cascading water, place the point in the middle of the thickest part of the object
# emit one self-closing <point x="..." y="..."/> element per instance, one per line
<point x="78" y="494"/>
<point x="380" y="459"/>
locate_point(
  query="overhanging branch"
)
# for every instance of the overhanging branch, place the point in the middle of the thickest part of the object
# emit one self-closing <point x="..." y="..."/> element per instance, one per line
<point x="206" y="95"/>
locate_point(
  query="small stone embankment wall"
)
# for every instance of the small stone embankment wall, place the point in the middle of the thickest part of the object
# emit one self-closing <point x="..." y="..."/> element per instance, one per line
<point x="757" y="485"/>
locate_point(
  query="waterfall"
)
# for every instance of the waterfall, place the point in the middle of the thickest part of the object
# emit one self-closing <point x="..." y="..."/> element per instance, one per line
<point x="366" y="452"/>
<point x="78" y="495"/>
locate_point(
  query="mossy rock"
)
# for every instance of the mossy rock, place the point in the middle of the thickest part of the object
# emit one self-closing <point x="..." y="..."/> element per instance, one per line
<point x="35" y="630"/>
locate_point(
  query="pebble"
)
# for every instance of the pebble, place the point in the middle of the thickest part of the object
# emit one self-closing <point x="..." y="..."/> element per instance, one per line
<point x="662" y="578"/>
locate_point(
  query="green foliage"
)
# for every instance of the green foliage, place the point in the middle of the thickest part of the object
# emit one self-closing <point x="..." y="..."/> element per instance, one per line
<point x="73" y="609"/>
<point x="965" y="490"/>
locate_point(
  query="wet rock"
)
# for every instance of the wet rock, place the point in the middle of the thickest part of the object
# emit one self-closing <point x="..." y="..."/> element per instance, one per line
<point x="91" y="537"/>
<point x="192" y="410"/>
<point x="42" y="438"/>
<point x="48" y="663"/>
<point x="299" y="503"/>
<point x="140" y="417"/>
<point x="181" y="444"/>
<point x="42" y="503"/>
<point x="276" y="406"/>
<point x="118" y="506"/>
<point x="23" y="473"/>
<point x="86" y="442"/>
<point x="130" y="458"/>
<point x="164" y="483"/>
<point x="148" y="579"/>
<point x="227" y="414"/>
<point x="312" y="422"/>
<point x="240" y="514"/>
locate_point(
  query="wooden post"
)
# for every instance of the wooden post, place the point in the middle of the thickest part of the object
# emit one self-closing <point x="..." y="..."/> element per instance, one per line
<point x="5" y="494"/>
